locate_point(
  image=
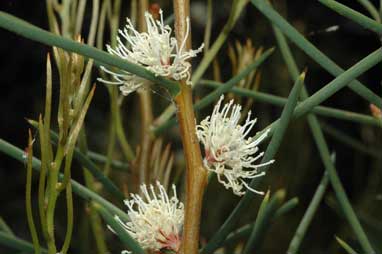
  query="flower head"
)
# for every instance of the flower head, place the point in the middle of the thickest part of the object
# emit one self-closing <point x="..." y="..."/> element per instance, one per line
<point x="228" y="150"/>
<point x="155" y="219"/>
<point x="154" y="50"/>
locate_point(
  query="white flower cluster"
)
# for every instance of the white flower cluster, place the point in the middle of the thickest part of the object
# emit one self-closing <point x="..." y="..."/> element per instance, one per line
<point x="228" y="151"/>
<point x="155" y="220"/>
<point x="154" y="50"/>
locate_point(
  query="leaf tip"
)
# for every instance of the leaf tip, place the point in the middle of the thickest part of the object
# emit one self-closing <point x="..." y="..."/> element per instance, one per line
<point x="280" y="194"/>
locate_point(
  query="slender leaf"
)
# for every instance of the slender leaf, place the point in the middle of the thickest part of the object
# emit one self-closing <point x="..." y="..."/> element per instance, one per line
<point x="308" y="216"/>
<point x="324" y="152"/>
<point x="324" y="61"/>
<point x="319" y="110"/>
<point x="99" y="158"/>
<point x="72" y="139"/>
<point x="262" y="222"/>
<point x="17" y="243"/>
<point x="245" y="230"/>
<point x="28" y="196"/>
<point x="271" y="151"/>
<point x="371" y="9"/>
<point x="345" y="246"/>
<point x="27" y="30"/>
<point x="321" y="95"/>
<point x="237" y="7"/>
<point x="339" y="82"/>
<point x="120" y="231"/>
<point x="286" y="207"/>
<point x="88" y="164"/>
<point x="337" y="186"/>
<point x="5" y="228"/>
<point x="353" y="15"/>
<point x="211" y="97"/>
<point x="269" y="154"/>
<point x="351" y="142"/>
<point x="79" y="189"/>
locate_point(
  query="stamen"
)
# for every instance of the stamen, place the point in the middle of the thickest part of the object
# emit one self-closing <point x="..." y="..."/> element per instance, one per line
<point x="228" y="151"/>
<point x="155" y="50"/>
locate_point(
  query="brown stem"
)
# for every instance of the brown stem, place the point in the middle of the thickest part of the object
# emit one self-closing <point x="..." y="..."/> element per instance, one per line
<point x="196" y="175"/>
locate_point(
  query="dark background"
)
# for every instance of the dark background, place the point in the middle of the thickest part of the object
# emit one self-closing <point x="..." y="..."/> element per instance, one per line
<point x="298" y="167"/>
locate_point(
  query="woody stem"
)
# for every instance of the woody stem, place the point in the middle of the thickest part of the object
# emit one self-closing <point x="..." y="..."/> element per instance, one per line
<point x="196" y="175"/>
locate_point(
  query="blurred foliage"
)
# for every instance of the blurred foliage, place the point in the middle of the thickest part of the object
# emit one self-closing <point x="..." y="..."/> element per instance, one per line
<point x="298" y="168"/>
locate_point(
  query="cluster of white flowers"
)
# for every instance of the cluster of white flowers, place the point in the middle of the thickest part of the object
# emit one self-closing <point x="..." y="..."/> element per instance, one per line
<point x="155" y="220"/>
<point x="228" y="151"/>
<point x="156" y="50"/>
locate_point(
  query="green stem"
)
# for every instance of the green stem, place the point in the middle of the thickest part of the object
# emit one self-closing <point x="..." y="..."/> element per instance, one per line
<point x="325" y="155"/>
<point x="79" y="189"/>
<point x="337" y="186"/>
<point x="286" y="207"/>
<point x="116" y="164"/>
<point x="120" y="231"/>
<point x="67" y="169"/>
<point x="371" y="9"/>
<point x="351" y="142"/>
<point x="280" y="101"/>
<point x="94" y="22"/>
<point x="308" y="216"/>
<point x="237" y="7"/>
<point x="207" y="29"/>
<point x="28" y="198"/>
<point x="324" y="93"/>
<point x="209" y="55"/>
<point x="245" y="230"/>
<point x="79" y="16"/>
<point x="346" y="246"/>
<point x="87" y="163"/>
<point x="353" y="15"/>
<point x="95" y="220"/>
<point x="117" y="119"/>
<point x="52" y="199"/>
<point x="326" y="63"/>
<point x="262" y="222"/>
<point x="45" y="159"/>
<point x="98" y="230"/>
<point x="211" y="97"/>
<point x="17" y="243"/>
<point x="302" y="109"/>
<point x="269" y="154"/>
<point x="69" y="218"/>
<point x="5" y="228"/>
<point x="108" y="159"/>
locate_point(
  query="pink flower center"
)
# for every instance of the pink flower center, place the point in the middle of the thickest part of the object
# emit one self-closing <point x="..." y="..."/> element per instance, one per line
<point x="165" y="62"/>
<point x="211" y="158"/>
<point x="171" y="242"/>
